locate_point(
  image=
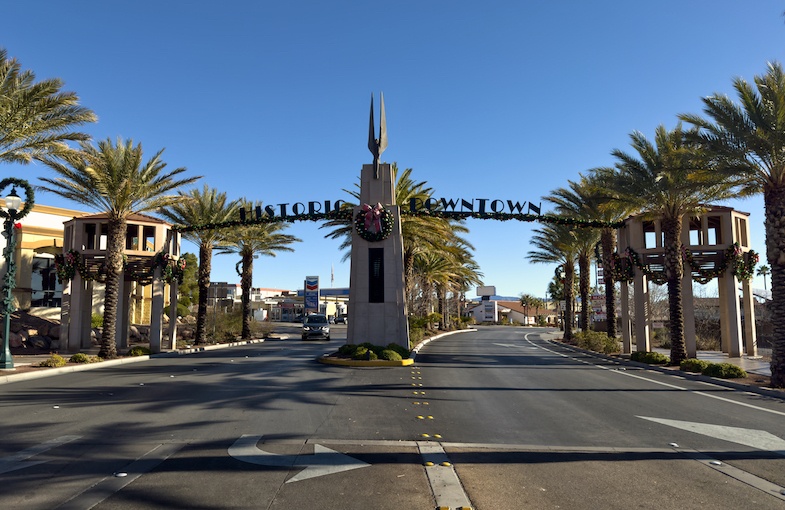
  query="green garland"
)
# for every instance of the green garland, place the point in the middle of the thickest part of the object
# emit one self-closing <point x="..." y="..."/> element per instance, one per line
<point x="29" y="196"/>
<point x="72" y="262"/>
<point x="345" y="214"/>
<point x="386" y="219"/>
<point x="740" y="264"/>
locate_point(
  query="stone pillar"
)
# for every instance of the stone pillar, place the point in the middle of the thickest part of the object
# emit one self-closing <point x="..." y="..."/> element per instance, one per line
<point x="86" y="314"/>
<point x="730" y="317"/>
<point x="750" y="333"/>
<point x="687" y="301"/>
<point x="156" y="313"/>
<point x="123" y="327"/>
<point x="378" y="315"/>
<point x="626" y="324"/>
<point x="173" y="315"/>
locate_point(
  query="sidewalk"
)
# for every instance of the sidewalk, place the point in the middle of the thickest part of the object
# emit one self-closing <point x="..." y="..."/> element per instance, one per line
<point x="752" y="365"/>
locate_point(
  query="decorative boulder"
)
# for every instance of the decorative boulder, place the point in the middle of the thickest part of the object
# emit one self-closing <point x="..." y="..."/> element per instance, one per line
<point x="39" y="342"/>
<point x="54" y="331"/>
<point x="15" y="340"/>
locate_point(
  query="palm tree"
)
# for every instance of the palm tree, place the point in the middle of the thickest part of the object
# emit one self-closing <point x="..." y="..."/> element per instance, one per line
<point x="668" y="179"/>
<point x="764" y="271"/>
<point x="200" y="208"/>
<point x="249" y="242"/>
<point x="113" y="178"/>
<point x="528" y="301"/>
<point x="749" y="138"/>
<point x="557" y="244"/>
<point x="37" y="118"/>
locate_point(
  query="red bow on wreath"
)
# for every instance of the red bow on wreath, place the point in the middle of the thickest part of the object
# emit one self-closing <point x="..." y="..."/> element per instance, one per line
<point x="373" y="217"/>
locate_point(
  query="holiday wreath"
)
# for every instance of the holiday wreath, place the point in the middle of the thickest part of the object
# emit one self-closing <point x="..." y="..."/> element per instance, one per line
<point x="374" y="223"/>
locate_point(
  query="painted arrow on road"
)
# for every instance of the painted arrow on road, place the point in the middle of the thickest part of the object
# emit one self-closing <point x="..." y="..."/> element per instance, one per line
<point x="324" y="461"/>
<point x="19" y="460"/>
<point x="759" y="439"/>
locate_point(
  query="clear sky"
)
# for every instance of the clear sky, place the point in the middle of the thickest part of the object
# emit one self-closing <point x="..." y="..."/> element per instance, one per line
<point x="499" y="100"/>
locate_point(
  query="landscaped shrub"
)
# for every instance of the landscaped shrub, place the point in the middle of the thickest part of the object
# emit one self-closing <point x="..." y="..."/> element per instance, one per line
<point x="390" y="355"/>
<point x="81" y="357"/>
<point x="138" y="351"/>
<point x="694" y="365"/>
<point x="96" y="320"/>
<point x="652" y="358"/>
<point x="416" y="335"/>
<point x="401" y="350"/>
<point x="364" y="353"/>
<point x="724" y="371"/>
<point x="53" y="361"/>
<point x="596" y="341"/>
<point x="347" y="349"/>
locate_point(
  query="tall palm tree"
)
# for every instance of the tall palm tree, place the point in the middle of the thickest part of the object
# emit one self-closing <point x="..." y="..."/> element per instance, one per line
<point x="113" y="178"/>
<point x="749" y="138"/>
<point x="37" y="118"/>
<point x="764" y="271"/>
<point x="200" y="207"/>
<point x="249" y="242"/>
<point x="557" y="244"/>
<point x="574" y="202"/>
<point x="669" y="179"/>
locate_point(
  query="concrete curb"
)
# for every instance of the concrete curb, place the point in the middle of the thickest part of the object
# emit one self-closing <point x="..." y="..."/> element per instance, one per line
<point x="50" y="372"/>
<point x="726" y="383"/>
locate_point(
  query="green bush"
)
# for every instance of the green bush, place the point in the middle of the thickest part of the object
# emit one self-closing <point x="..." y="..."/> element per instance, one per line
<point x="724" y="371"/>
<point x="81" y="357"/>
<point x="97" y="320"/>
<point x="402" y="351"/>
<point x="693" y="365"/>
<point x="652" y="358"/>
<point x="138" y="351"/>
<point x="416" y="335"/>
<point x="596" y="341"/>
<point x="390" y="355"/>
<point x="363" y="353"/>
<point x="347" y="349"/>
<point x="53" y="361"/>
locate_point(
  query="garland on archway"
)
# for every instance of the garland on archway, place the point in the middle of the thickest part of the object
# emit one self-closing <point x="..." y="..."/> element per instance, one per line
<point x="72" y="262"/>
<point x="374" y="223"/>
<point x="346" y="214"/>
<point x="740" y="264"/>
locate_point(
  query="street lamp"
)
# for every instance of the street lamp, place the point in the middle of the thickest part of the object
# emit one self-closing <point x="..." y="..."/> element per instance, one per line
<point x="12" y="212"/>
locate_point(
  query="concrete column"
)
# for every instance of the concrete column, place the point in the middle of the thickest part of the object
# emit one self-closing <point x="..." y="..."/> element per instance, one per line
<point x="626" y="324"/>
<point x="173" y="315"/>
<point x="688" y="310"/>
<point x="642" y="312"/>
<point x="123" y="314"/>
<point x="750" y="333"/>
<point x="156" y="312"/>
<point x="730" y="315"/>
<point x="86" y="313"/>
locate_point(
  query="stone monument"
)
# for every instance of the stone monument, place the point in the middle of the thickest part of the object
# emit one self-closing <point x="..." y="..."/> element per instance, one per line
<point x="377" y="309"/>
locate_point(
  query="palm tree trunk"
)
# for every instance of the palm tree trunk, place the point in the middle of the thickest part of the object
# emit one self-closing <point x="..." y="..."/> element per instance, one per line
<point x="774" y="200"/>
<point x="674" y="270"/>
<point x="608" y="239"/>
<point x="246" y="283"/>
<point x="584" y="266"/>
<point x="205" y="267"/>
<point x="115" y="243"/>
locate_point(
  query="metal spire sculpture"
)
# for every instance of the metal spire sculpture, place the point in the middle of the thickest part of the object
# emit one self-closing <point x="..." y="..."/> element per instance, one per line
<point x="377" y="145"/>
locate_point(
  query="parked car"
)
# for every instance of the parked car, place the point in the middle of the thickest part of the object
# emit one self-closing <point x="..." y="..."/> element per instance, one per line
<point x="316" y="326"/>
<point x="342" y="319"/>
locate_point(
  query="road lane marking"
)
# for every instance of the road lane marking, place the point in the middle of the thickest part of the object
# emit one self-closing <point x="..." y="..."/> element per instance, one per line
<point x="112" y="484"/>
<point x="667" y="385"/>
<point x="759" y="439"/>
<point x="19" y="460"/>
<point x="324" y="461"/>
<point x="445" y="485"/>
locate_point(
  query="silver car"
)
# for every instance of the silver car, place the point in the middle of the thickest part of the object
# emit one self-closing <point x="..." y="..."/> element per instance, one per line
<point x="316" y="326"/>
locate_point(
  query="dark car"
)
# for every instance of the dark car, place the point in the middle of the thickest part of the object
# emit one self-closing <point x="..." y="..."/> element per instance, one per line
<point x="316" y="326"/>
<point x="341" y="319"/>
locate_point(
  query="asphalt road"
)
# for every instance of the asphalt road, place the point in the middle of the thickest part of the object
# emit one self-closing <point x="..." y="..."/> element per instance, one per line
<point x="518" y="422"/>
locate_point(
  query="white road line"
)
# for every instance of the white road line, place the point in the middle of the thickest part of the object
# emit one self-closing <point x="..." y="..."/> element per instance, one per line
<point x="112" y="484"/>
<point x="19" y="460"/>
<point x="667" y="385"/>
<point x="445" y="485"/>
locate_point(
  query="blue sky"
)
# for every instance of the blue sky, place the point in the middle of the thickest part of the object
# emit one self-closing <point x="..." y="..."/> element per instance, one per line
<point x="498" y="100"/>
